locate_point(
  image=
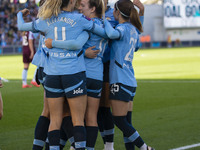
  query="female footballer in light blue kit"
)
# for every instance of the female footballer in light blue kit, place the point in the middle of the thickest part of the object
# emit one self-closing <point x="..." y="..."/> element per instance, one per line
<point x="122" y="80"/>
<point x="94" y="68"/>
<point x="93" y="9"/>
<point x="105" y="122"/>
<point x="62" y="66"/>
<point x="42" y="126"/>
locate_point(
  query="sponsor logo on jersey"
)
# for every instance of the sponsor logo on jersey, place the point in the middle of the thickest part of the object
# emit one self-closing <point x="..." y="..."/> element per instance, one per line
<point x="78" y="91"/>
<point x="63" y="55"/>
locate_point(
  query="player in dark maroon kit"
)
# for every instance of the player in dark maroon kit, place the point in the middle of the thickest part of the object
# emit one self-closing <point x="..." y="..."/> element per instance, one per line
<point x="28" y="53"/>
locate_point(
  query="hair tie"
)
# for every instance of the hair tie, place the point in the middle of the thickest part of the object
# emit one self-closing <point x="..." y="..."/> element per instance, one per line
<point x="121" y="12"/>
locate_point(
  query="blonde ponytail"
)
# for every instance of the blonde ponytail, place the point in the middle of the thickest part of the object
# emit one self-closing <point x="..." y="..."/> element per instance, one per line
<point x="103" y="9"/>
<point x="49" y="8"/>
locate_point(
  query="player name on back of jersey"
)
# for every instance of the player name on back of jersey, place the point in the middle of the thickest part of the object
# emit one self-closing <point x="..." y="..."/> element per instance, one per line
<point x="61" y="19"/>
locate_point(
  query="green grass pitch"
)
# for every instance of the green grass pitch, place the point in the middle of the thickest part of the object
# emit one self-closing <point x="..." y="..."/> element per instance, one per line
<point x="166" y="106"/>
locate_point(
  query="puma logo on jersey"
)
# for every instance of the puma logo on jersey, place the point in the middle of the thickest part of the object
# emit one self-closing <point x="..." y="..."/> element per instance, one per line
<point x="79" y="91"/>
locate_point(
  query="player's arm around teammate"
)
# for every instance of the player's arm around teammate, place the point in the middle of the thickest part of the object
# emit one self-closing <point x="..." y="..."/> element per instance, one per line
<point x="76" y="96"/>
<point x="95" y="46"/>
<point x="93" y="98"/>
<point x="122" y="79"/>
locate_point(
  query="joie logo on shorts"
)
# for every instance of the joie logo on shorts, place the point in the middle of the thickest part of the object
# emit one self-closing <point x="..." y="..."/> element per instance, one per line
<point x="114" y="88"/>
<point x="79" y="91"/>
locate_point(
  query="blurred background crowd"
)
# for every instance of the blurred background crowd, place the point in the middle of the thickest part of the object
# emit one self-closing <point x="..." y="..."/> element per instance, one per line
<point x="9" y="34"/>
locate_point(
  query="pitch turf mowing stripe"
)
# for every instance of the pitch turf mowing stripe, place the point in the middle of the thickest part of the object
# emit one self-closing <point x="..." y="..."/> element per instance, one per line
<point x="187" y="147"/>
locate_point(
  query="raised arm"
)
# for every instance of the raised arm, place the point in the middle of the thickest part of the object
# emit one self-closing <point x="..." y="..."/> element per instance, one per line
<point x="22" y="26"/>
<point x="140" y="6"/>
<point x="69" y="44"/>
<point x="110" y="31"/>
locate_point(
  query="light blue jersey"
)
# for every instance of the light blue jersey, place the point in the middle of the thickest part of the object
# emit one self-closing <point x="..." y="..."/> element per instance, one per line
<point x="40" y="56"/>
<point x="66" y="26"/>
<point x="109" y="16"/>
<point x="94" y="67"/>
<point x="122" y="52"/>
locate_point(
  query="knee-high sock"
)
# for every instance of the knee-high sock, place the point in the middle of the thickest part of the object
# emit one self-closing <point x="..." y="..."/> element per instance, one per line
<point x="108" y="124"/>
<point x="34" y="76"/>
<point x="24" y="76"/>
<point x="128" y="130"/>
<point x="54" y="139"/>
<point x="47" y="144"/>
<point x="100" y="122"/>
<point x="80" y="137"/>
<point x="91" y="133"/>
<point x="63" y="138"/>
<point x="41" y="131"/>
<point x="68" y="128"/>
<point x="128" y="144"/>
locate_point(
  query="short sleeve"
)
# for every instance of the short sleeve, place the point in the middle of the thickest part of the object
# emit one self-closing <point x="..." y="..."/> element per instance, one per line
<point x="30" y="36"/>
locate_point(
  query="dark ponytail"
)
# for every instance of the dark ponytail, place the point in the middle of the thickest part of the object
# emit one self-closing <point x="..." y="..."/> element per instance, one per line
<point x="135" y="19"/>
<point x="64" y="3"/>
<point x="128" y="12"/>
<point x="99" y="7"/>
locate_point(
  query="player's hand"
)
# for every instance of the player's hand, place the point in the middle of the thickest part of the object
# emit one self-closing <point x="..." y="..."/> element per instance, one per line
<point x="140" y="6"/>
<point x="25" y="12"/>
<point x="31" y="56"/>
<point x="89" y="53"/>
<point x="48" y="43"/>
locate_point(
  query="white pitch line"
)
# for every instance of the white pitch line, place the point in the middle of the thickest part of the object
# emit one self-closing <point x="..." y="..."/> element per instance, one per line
<point x="169" y="81"/>
<point x="187" y="147"/>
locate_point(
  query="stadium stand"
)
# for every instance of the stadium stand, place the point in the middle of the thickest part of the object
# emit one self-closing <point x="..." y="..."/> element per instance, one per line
<point x="156" y="28"/>
<point x="9" y="35"/>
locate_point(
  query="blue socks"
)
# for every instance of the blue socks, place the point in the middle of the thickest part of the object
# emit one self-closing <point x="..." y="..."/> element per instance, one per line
<point x="100" y="121"/>
<point x="54" y="139"/>
<point x="41" y="131"/>
<point x="106" y="124"/>
<point x="128" y="144"/>
<point x="128" y="131"/>
<point x="63" y="138"/>
<point x="92" y="133"/>
<point x="68" y="129"/>
<point x="80" y="137"/>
